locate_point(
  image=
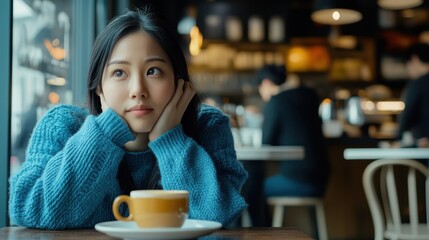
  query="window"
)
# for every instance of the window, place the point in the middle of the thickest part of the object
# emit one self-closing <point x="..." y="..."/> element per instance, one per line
<point x="48" y="63"/>
<point x="5" y="60"/>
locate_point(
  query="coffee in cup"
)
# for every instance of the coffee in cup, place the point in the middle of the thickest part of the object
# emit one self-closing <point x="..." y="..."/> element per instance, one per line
<point x="154" y="208"/>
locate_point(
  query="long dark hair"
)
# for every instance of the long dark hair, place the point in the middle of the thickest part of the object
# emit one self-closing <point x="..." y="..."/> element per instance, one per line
<point x="132" y="21"/>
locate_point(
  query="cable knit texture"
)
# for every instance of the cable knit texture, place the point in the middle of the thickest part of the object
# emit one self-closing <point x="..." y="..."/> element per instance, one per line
<point x="69" y="177"/>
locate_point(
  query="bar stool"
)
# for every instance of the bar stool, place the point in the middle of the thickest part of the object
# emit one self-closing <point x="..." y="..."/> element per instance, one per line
<point x="280" y="202"/>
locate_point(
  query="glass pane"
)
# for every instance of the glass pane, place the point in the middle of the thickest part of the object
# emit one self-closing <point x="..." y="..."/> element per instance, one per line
<point x="40" y="67"/>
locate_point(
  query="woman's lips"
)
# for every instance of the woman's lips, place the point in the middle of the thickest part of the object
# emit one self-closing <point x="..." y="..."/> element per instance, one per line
<point x="139" y="110"/>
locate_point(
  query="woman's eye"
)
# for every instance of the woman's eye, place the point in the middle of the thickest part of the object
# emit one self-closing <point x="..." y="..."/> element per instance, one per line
<point x="153" y="71"/>
<point x="118" y="74"/>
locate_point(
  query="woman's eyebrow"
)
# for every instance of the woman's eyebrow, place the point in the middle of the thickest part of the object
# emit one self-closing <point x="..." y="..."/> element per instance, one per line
<point x="150" y="59"/>
<point x="156" y="59"/>
<point x="118" y="62"/>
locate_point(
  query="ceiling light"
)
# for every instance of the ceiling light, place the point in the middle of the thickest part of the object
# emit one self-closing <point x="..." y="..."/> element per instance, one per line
<point x="336" y="16"/>
<point x="399" y="4"/>
<point x="335" y="12"/>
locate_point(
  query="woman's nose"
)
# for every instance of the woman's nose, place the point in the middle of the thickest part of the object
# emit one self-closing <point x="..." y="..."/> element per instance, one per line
<point x="137" y="87"/>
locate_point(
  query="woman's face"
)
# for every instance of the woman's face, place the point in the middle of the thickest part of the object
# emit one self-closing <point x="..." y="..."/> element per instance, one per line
<point x="138" y="81"/>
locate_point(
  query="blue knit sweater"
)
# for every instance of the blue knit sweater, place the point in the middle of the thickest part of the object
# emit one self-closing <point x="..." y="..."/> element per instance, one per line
<point x="69" y="177"/>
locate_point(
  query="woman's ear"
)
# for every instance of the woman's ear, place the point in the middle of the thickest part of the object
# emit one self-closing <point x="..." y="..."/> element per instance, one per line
<point x="103" y="103"/>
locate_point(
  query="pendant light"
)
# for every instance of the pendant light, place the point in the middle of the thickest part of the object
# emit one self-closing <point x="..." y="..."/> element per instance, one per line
<point x="398" y="4"/>
<point x="335" y="12"/>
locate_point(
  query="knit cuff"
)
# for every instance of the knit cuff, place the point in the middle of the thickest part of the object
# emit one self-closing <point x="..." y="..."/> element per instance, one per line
<point x="170" y="143"/>
<point x="114" y="127"/>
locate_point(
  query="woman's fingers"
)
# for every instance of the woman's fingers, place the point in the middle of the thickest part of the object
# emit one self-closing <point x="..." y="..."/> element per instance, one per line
<point x="183" y="95"/>
<point x="188" y="94"/>
<point x="173" y="112"/>
<point x="178" y="93"/>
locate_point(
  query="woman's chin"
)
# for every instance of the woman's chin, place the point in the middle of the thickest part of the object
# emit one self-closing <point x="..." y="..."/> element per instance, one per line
<point x="140" y="131"/>
<point x="141" y="128"/>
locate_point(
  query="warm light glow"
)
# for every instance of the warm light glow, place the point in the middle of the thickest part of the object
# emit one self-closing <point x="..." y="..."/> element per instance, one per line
<point x="307" y="58"/>
<point x="342" y="94"/>
<point x="196" y="41"/>
<point x="297" y="54"/>
<point x="368" y="105"/>
<point x="383" y="106"/>
<point x="57" y="81"/>
<point x="390" y="106"/>
<point x="336" y="15"/>
<point x="54" y="98"/>
<point x="54" y="49"/>
<point x="326" y="101"/>
<point x="297" y="59"/>
<point x="399" y="4"/>
<point x="343" y="41"/>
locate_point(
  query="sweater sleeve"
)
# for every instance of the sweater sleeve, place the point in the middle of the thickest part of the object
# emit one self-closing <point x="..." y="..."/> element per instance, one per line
<point x="209" y="170"/>
<point x="69" y="177"/>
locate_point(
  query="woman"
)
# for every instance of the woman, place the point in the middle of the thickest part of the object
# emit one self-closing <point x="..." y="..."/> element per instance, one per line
<point x="145" y="129"/>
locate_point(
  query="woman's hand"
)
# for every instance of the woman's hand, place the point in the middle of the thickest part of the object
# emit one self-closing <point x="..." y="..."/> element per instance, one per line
<point x="139" y="144"/>
<point x="173" y="112"/>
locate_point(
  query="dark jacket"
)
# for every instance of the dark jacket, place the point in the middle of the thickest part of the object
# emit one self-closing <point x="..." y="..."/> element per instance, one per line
<point x="415" y="116"/>
<point x="291" y="118"/>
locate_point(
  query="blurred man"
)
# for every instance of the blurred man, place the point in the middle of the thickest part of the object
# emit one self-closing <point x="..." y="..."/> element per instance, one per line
<point x="290" y="117"/>
<point x="415" y="117"/>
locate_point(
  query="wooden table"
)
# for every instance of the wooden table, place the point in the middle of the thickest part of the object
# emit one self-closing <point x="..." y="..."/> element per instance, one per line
<point x="386" y="153"/>
<point x="12" y="233"/>
<point x="270" y="153"/>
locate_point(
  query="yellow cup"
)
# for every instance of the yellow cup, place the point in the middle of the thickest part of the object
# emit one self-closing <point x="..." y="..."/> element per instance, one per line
<point x="154" y="208"/>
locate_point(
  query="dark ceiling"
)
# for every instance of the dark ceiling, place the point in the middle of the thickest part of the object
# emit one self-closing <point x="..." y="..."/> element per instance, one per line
<point x="295" y="12"/>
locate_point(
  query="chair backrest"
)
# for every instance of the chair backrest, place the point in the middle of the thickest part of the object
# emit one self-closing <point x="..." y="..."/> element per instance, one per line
<point x="389" y="197"/>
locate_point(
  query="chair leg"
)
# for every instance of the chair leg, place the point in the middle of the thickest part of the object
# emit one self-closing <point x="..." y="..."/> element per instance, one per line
<point x="321" y="222"/>
<point x="278" y="216"/>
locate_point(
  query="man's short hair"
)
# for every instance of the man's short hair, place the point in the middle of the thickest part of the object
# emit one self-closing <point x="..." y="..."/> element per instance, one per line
<point x="276" y="73"/>
<point x="421" y="50"/>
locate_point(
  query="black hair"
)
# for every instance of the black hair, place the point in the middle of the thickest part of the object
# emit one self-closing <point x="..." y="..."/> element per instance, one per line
<point x="131" y="21"/>
<point x="276" y="73"/>
<point x="421" y="50"/>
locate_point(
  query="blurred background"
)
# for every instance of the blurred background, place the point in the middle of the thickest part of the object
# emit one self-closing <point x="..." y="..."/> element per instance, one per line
<point x="358" y="68"/>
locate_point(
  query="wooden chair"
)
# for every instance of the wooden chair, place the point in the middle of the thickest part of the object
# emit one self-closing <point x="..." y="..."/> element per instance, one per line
<point x="386" y="201"/>
<point x="282" y="201"/>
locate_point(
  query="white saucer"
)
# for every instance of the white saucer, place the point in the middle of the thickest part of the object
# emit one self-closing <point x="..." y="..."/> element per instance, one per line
<point x="192" y="228"/>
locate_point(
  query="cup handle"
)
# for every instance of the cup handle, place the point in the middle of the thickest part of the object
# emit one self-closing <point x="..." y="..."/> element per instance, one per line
<point x="115" y="207"/>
